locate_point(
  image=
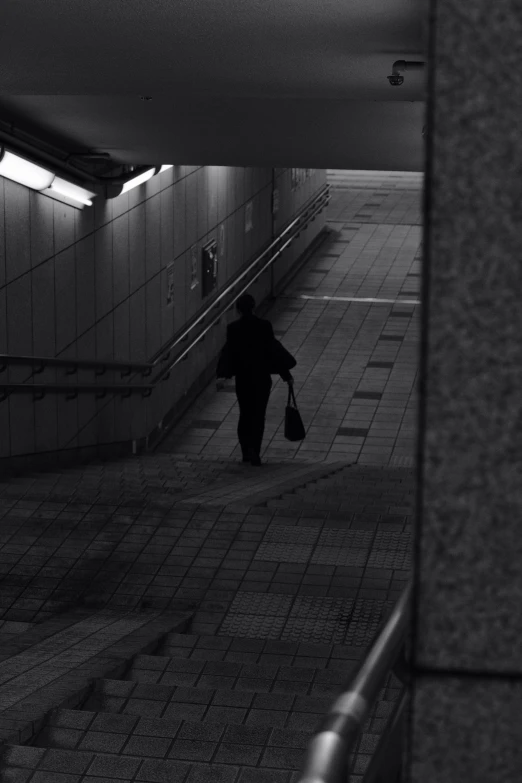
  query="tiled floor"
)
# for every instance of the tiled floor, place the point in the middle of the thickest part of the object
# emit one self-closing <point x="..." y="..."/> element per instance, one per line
<point x="313" y="548"/>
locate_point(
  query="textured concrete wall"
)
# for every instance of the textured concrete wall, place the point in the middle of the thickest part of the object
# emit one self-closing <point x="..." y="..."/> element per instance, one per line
<point x="468" y="613"/>
<point x="91" y="284"/>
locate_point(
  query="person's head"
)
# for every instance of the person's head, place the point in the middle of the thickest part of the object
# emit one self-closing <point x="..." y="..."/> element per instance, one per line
<point x="245" y="304"/>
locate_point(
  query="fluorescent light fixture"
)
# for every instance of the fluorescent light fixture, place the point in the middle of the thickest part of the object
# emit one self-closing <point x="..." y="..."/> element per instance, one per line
<point x="74" y="192"/>
<point x="23" y="171"/>
<point x="139" y="180"/>
<point x="165" y="167"/>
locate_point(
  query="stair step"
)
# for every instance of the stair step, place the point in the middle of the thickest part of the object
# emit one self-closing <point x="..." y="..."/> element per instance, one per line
<point x="298" y="711"/>
<point x="172" y="671"/>
<point x="101" y="732"/>
<point x="195" y="752"/>
<point x="260" y="651"/>
<point x="283" y="706"/>
<point x="149" y="760"/>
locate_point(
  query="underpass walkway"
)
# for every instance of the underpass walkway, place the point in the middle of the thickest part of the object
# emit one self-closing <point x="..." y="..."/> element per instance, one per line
<point x="295" y="564"/>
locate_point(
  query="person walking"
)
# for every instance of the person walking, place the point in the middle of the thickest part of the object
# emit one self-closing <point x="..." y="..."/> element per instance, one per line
<point x="249" y="354"/>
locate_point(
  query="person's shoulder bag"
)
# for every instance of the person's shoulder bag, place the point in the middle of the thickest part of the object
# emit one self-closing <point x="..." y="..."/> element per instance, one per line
<point x="294" y="428"/>
<point x="280" y="360"/>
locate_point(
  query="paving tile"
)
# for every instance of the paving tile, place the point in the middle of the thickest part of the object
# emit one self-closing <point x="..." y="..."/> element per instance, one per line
<point x="55" y="777"/>
<point x="245" y="755"/>
<point x="19" y="756"/>
<point x="65" y="761"/>
<point x="155" y="747"/>
<point x="193" y="750"/>
<point x="114" y="767"/>
<point x="251" y="775"/>
<point x="283" y="758"/>
<point x="72" y="719"/>
<point x="159" y="771"/>
<point x="212" y="773"/>
<point x="225" y="715"/>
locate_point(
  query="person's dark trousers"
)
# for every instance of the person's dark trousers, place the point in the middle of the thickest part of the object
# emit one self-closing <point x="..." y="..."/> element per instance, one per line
<point x="252" y="396"/>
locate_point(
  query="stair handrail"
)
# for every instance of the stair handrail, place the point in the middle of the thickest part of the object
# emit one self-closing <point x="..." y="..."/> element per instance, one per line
<point x="72" y="390"/>
<point x="74" y="364"/>
<point x="328" y="753"/>
<point x="307" y="214"/>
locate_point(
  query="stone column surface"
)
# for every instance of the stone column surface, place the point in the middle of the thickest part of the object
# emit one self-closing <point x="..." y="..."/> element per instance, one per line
<point x="466" y="720"/>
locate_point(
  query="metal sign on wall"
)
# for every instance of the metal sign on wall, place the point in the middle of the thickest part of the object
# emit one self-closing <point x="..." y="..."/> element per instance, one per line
<point x="209" y="266"/>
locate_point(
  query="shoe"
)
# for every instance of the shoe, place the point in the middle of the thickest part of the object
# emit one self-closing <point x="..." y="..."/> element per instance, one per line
<point x="256" y="461"/>
<point x="247" y="456"/>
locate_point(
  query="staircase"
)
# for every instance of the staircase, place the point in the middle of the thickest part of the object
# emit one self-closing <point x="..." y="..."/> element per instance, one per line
<point x="203" y="708"/>
<point x="237" y="697"/>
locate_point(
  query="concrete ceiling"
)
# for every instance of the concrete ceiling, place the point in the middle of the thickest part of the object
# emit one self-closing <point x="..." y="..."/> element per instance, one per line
<point x="232" y="82"/>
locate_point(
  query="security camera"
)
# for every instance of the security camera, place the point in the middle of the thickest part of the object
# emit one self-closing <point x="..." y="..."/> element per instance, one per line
<point x="396" y="79"/>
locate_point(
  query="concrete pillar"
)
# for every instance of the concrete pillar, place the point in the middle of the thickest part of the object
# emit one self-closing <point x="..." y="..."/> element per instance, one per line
<point x="466" y="720"/>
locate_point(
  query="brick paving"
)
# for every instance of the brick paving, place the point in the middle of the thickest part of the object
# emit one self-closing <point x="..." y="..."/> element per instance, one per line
<point x="274" y="580"/>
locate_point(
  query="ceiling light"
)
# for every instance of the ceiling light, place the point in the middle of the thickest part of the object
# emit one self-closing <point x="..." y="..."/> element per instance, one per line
<point x="74" y="192"/>
<point x="23" y="171"/>
<point x="139" y="180"/>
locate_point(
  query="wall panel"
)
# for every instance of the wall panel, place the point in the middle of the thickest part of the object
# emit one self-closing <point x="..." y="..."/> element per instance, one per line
<point x="3" y="320"/>
<point x="21" y="424"/>
<point x="85" y="286"/>
<point x="44" y="310"/>
<point x="42" y="228"/>
<point x="2" y="234"/>
<point x="153" y="316"/>
<point x="103" y="271"/>
<point x="122" y="332"/>
<point x="167" y="226"/>
<point x="64" y="225"/>
<point x="17" y="230"/>
<point x="138" y="316"/>
<point x="137" y="247"/>
<point x="105" y="338"/>
<point x="65" y="292"/>
<point x="120" y="259"/>
<point x="19" y="316"/>
<point x="152" y="236"/>
<point x="46" y="423"/>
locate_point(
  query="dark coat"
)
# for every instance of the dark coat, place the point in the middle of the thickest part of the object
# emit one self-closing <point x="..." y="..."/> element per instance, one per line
<point x="249" y="350"/>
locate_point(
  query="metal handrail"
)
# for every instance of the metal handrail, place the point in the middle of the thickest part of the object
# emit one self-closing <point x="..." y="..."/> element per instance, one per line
<point x="71" y="390"/>
<point x="73" y="364"/>
<point x="307" y="215"/>
<point x="328" y="753"/>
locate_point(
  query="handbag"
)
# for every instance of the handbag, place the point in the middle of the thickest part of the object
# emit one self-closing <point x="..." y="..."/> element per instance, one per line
<point x="276" y="360"/>
<point x="294" y="428"/>
<point x="280" y="359"/>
